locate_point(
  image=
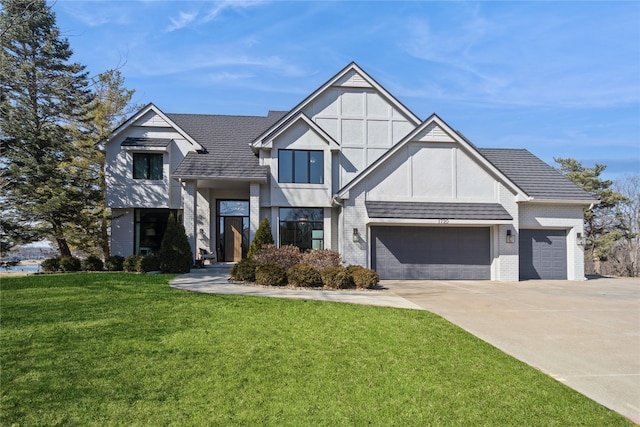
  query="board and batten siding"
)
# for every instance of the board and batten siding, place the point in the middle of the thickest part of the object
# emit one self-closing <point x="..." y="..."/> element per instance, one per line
<point x="362" y="121"/>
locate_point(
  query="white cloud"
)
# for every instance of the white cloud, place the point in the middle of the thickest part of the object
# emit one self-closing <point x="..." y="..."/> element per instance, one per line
<point x="184" y="19"/>
<point x="181" y="21"/>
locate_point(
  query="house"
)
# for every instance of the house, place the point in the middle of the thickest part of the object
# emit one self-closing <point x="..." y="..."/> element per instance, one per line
<point x="349" y="168"/>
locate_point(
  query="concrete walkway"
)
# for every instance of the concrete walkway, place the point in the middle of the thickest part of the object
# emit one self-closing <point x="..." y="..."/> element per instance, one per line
<point x="584" y="334"/>
<point x="215" y="279"/>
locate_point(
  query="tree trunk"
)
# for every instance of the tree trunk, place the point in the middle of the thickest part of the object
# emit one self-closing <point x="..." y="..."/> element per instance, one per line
<point x="63" y="247"/>
<point x="104" y="238"/>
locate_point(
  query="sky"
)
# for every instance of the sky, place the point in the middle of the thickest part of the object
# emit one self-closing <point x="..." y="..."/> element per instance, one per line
<point x="560" y="79"/>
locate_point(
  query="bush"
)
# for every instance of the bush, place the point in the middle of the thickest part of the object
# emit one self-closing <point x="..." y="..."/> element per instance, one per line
<point x="336" y="278"/>
<point x="245" y="270"/>
<point x="271" y="275"/>
<point x="130" y="263"/>
<point x="263" y="237"/>
<point x="92" y="263"/>
<point x="70" y="263"/>
<point x="114" y="263"/>
<point x="50" y="265"/>
<point x="304" y="275"/>
<point x="175" y="250"/>
<point x="365" y="278"/>
<point x="287" y="256"/>
<point x="321" y="258"/>
<point x="351" y="269"/>
<point x="148" y="263"/>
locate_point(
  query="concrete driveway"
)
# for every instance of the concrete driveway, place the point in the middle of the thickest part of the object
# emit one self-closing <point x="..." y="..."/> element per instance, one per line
<point x="584" y="334"/>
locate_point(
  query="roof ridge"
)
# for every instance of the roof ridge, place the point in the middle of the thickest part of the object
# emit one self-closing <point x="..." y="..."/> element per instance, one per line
<point x="216" y="115"/>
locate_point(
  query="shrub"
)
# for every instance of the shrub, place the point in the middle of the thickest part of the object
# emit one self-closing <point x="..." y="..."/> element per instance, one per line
<point x="304" y="275"/>
<point x="321" y="258"/>
<point x="287" y="256"/>
<point x="70" y="263"/>
<point x="351" y="269"/>
<point x="336" y="278"/>
<point x="50" y="265"/>
<point x="244" y="270"/>
<point x="130" y="263"/>
<point x="175" y="250"/>
<point x="148" y="263"/>
<point x="365" y="278"/>
<point x="263" y="237"/>
<point x="114" y="263"/>
<point x="92" y="263"/>
<point x="271" y="275"/>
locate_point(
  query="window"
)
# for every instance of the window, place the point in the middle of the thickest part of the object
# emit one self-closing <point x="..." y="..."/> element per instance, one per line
<point x="302" y="227"/>
<point x="147" y="166"/>
<point x="301" y="166"/>
<point x="150" y="225"/>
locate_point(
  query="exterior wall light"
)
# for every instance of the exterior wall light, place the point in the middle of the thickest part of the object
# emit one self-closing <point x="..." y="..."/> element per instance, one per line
<point x="581" y="239"/>
<point x="356" y="236"/>
<point x="510" y="237"/>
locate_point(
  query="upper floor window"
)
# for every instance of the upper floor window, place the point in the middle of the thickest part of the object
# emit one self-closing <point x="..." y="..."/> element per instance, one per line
<point x="301" y="166"/>
<point x="147" y="166"/>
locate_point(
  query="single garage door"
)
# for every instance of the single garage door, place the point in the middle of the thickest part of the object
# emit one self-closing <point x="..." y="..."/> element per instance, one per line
<point x="431" y="253"/>
<point x="543" y="254"/>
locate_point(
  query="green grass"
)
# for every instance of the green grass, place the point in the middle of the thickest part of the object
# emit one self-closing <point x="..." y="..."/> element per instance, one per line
<point x="121" y="349"/>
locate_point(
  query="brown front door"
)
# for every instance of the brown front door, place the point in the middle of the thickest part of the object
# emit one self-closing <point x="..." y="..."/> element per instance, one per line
<point x="232" y="239"/>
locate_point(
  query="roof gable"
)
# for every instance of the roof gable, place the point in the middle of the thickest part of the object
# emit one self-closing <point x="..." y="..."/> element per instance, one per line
<point x="152" y="116"/>
<point x="433" y="129"/>
<point x="310" y="124"/>
<point x="350" y="76"/>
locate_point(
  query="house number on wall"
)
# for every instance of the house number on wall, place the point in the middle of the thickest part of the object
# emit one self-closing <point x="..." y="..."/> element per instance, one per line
<point x="443" y="221"/>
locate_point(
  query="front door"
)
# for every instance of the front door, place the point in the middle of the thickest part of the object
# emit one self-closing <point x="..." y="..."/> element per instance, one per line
<point x="233" y="230"/>
<point x="233" y="239"/>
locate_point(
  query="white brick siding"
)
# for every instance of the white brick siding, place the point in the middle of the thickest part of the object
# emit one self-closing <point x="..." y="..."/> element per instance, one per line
<point x="190" y="212"/>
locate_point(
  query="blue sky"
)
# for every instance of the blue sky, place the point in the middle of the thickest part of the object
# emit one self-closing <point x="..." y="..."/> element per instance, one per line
<point x="561" y="79"/>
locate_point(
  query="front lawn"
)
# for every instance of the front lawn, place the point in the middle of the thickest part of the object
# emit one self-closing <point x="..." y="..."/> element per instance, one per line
<point x="123" y="349"/>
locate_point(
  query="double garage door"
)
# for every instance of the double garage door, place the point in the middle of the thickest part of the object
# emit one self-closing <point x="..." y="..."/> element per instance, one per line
<point x="431" y="253"/>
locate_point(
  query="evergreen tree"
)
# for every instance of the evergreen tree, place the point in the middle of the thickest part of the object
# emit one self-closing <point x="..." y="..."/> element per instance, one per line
<point x="263" y="237"/>
<point x="108" y="109"/>
<point x="602" y="226"/>
<point x="175" y="251"/>
<point x="41" y="94"/>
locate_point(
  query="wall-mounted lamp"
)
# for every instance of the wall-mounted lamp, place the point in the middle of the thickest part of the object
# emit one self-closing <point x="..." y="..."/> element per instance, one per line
<point x="510" y="237"/>
<point x="356" y="236"/>
<point x="201" y="233"/>
<point x="581" y="239"/>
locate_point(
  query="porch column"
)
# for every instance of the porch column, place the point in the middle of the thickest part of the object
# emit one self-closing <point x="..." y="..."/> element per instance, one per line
<point x="254" y="209"/>
<point x="190" y="206"/>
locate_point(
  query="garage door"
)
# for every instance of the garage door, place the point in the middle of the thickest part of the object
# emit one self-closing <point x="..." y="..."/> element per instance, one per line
<point x="543" y="254"/>
<point x="431" y="253"/>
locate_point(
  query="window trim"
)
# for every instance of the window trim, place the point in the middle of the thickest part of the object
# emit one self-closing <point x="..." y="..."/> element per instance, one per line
<point x="147" y="156"/>
<point x="292" y="171"/>
<point x="314" y="225"/>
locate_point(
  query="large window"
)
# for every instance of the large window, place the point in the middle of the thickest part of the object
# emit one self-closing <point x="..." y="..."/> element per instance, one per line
<point x="302" y="227"/>
<point x="147" y="166"/>
<point x="150" y="225"/>
<point x="301" y="166"/>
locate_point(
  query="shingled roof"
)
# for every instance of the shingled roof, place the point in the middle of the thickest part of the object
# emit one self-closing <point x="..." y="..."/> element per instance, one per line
<point x="533" y="176"/>
<point x="226" y="141"/>
<point x="430" y="210"/>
